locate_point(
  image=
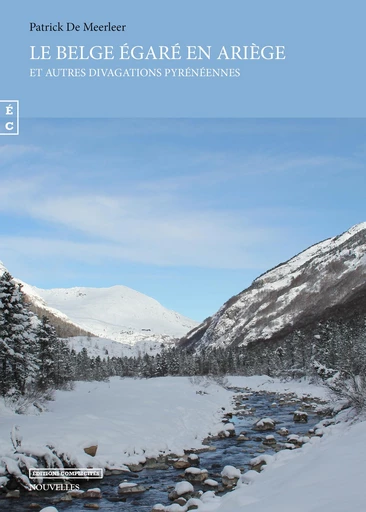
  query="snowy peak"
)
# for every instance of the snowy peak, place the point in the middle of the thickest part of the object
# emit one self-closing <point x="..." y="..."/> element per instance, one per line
<point x="33" y="296"/>
<point x="318" y="250"/>
<point x="63" y="325"/>
<point x="117" y="312"/>
<point x="297" y="291"/>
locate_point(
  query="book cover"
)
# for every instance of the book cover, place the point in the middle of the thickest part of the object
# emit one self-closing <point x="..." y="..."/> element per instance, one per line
<point x="182" y="256"/>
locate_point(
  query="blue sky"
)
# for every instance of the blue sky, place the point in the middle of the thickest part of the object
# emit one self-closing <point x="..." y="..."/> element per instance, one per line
<point x="187" y="211"/>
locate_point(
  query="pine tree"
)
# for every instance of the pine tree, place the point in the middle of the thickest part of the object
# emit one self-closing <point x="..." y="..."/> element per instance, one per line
<point x="18" y="361"/>
<point x="173" y="362"/>
<point x="84" y="365"/>
<point x="47" y="348"/>
<point x="145" y="368"/>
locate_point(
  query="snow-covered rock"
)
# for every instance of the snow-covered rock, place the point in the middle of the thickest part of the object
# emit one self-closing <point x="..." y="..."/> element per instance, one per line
<point x="196" y="474"/>
<point x="300" y="417"/>
<point x="130" y="488"/>
<point x="265" y="424"/>
<point x="181" y="463"/>
<point x="242" y="437"/>
<point x="94" y="493"/>
<point x="211" y="483"/>
<point x="183" y="488"/>
<point x="193" y="504"/>
<point x="193" y="459"/>
<point x="230" y="475"/>
<point x="258" y="462"/>
<point x="269" y="440"/>
<point x="231" y="472"/>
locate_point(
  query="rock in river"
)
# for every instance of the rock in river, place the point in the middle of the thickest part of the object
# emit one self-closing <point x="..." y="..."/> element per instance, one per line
<point x="130" y="488"/>
<point x="265" y="424"/>
<point x="300" y="417"/>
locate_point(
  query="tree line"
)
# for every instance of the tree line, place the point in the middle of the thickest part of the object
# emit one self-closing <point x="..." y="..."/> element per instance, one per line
<point x="33" y="359"/>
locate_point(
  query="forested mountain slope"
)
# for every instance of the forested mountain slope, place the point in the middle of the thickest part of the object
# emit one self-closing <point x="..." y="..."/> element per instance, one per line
<point x="322" y="289"/>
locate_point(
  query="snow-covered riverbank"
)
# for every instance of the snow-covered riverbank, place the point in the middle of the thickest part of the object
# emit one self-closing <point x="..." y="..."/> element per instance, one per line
<point x="128" y="419"/>
<point x="264" y="383"/>
<point x="132" y="419"/>
<point x="325" y="474"/>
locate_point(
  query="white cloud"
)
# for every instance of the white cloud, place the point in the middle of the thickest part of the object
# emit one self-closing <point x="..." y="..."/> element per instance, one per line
<point x="151" y="222"/>
<point x="214" y="255"/>
<point x="137" y="227"/>
<point x="15" y="150"/>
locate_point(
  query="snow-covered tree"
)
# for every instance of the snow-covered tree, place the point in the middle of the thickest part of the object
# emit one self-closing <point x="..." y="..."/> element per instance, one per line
<point x="47" y="346"/>
<point x="83" y="368"/>
<point x="18" y="360"/>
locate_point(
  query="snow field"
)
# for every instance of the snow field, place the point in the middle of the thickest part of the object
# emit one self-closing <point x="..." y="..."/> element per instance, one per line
<point x="129" y="420"/>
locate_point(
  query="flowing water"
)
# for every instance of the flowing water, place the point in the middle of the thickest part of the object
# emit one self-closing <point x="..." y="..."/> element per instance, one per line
<point x="229" y="451"/>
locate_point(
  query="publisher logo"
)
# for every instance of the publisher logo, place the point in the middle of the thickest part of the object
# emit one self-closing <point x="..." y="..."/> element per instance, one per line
<point x="9" y="117"/>
<point x="64" y="473"/>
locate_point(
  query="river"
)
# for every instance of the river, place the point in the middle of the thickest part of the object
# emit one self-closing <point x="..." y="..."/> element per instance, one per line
<point x="250" y="406"/>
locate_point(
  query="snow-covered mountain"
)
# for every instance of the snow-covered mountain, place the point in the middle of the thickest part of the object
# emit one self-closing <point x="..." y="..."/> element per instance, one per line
<point x="117" y="313"/>
<point x="289" y="296"/>
<point x="64" y="326"/>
